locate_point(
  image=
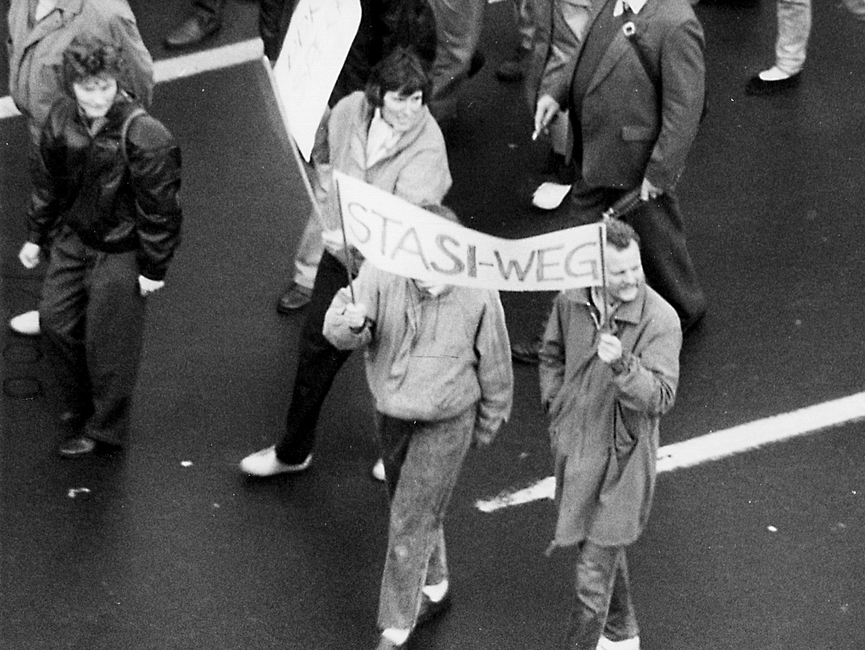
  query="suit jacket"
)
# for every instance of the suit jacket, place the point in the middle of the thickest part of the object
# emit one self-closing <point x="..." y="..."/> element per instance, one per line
<point x="628" y="128"/>
<point x="36" y="54"/>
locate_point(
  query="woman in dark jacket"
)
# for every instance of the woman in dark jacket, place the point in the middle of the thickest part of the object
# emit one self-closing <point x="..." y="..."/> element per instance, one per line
<point x="105" y="199"/>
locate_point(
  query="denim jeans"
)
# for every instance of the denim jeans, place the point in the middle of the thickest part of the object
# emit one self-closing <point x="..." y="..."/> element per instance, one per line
<point x="92" y="318"/>
<point x="794" y="28"/>
<point x="603" y="598"/>
<point x="422" y="461"/>
<point x="317" y="365"/>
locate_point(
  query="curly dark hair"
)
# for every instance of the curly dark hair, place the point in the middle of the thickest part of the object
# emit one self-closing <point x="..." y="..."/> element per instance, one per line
<point x="89" y="56"/>
<point x="401" y="71"/>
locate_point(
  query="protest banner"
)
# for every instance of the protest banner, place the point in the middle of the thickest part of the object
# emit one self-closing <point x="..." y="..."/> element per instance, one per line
<point x="406" y="240"/>
<point x="319" y="37"/>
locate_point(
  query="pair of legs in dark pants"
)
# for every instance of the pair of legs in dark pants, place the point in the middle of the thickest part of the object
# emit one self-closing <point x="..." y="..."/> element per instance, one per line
<point x="666" y="260"/>
<point x="317" y="365"/>
<point x="422" y="461"/>
<point x="92" y="318"/>
<point x="603" y="598"/>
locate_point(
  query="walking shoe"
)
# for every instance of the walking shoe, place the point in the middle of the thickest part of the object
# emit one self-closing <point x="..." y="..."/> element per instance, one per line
<point x="26" y="323"/>
<point x="294" y="297"/>
<point x="628" y="644"/>
<point x="265" y="463"/>
<point x="192" y="31"/>
<point x="386" y="644"/>
<point x="527" y="352"/>
<point x="378" y="470"/>
<point x="758" y="86"/>
<point x="429" y="609"/>
<point x="76" y="447"/>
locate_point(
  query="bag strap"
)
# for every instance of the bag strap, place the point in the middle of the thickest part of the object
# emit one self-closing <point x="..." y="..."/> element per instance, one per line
<point x="124" y="130"/>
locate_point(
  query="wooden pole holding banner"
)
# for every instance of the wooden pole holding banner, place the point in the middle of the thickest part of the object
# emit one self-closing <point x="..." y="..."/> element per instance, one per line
<point x="348" y="264"/>
<point x="602" y="234"/>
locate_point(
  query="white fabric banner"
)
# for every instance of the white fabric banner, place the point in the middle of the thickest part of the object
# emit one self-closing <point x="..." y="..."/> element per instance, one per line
<point x="319" y="36"/>
<point x="404" y="239"/>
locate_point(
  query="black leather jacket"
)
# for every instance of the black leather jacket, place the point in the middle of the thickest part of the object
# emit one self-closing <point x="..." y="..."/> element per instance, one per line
<point x="82" y="181"/>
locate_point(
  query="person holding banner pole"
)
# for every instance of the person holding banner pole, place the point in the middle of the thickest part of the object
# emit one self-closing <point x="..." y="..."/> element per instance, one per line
<point x="609" y="369"/>
<point x="384" y="136"/>
<point x="437" y="361"/>
<point x="384" y="25"/>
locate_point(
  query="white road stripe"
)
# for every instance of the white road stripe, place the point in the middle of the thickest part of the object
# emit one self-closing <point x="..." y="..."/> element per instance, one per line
<point x="717" y="445"/>
<point x="184" y="66"/>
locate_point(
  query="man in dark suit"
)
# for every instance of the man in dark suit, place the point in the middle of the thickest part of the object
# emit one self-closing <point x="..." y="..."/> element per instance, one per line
<point x="635" y="87"/>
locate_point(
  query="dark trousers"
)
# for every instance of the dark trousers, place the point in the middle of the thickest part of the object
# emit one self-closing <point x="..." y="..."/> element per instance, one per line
<point x="317" y="365"/>
<point x="422" y="461"/>
<point x="666" y="260"/>
<point x="602" y="602"/>
<point x="92" y="317"/>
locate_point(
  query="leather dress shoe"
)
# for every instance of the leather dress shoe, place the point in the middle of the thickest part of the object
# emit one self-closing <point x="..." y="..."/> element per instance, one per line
<point x="757" y="86"/>
<point x="294" y="297"/>
<point x="430" y="609"/>
<point x="76" y="447"/>
<point x="192" y="31"/>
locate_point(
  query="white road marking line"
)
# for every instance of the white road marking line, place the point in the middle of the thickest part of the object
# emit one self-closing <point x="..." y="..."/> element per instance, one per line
<point x="717" y="445"/>
<point x="183" y="66"/>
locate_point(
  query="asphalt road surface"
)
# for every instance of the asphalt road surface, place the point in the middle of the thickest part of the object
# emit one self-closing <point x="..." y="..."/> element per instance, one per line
<point x="168" y="547"/>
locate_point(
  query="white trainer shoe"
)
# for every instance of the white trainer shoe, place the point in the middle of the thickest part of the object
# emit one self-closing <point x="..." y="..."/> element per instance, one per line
<point x="378" y="470"/>
<point x="265" y="463"/>
<point x="26" y="323"/>
<point x="628" y="644"/>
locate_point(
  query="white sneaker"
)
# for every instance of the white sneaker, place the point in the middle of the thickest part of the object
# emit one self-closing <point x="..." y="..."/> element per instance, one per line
<point x="628" y="644"/>
<point x="26" y="323"/>
<point x="265" y="463"/>
<point x="378" y="470"/>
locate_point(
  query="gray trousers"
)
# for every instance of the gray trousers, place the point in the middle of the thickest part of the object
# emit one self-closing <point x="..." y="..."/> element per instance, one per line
<point x="422" y="461"/>
<point x="92" y="317"/>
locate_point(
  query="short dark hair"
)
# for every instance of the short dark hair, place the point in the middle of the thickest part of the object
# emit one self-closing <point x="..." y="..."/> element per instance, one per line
<point x="89" y="56"/>
<point x="401" y="71"/>
<point x="620" y="235"/>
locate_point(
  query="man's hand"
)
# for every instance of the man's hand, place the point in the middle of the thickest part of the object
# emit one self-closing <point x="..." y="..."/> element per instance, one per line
<point x="649" y="191"/>
<point x="355" y="316"/>
<point x="545" y="111"/>
<point x="29" y="255"/>
<point x="148" y="286"/>
<point x="609" y="348"/>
